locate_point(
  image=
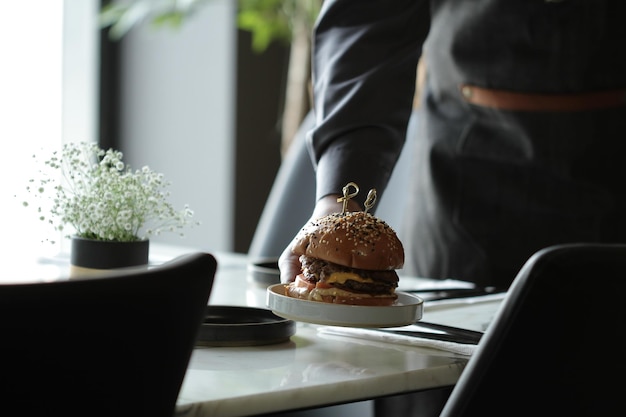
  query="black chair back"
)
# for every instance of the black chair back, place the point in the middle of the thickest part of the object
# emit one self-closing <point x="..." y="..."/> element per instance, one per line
<point x="555" y="347"/>
<point x="116" y="345"/>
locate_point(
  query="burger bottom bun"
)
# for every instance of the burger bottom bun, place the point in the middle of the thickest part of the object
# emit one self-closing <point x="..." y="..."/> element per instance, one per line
<point x="305" y="291"/>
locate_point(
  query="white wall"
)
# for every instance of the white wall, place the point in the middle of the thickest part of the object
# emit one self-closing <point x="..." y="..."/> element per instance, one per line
<point x="177" y="116"/>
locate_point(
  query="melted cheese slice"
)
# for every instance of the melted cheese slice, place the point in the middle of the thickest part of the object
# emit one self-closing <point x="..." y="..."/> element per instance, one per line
<point x="342" y="277"/>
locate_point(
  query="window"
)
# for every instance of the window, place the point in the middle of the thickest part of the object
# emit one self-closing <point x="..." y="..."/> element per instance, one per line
<point x="48" y="84"/>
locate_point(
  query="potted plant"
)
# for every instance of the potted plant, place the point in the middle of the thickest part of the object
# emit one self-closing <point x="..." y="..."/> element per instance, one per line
<point x="107" y="209"/>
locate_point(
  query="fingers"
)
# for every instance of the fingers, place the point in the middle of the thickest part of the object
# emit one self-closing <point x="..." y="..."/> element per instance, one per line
<point x="289" y="266"/>
<point x="288" y="262"/>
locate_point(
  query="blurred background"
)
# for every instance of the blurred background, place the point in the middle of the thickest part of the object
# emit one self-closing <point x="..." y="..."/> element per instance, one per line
<point x="199" y="90"/>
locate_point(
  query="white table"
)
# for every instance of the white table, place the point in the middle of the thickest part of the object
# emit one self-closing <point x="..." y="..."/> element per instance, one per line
<point x="310" y="370"/>
<point x="313" y="369"/>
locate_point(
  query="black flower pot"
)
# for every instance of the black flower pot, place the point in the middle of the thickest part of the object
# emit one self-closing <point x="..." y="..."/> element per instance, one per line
<point x="95" y="255"/>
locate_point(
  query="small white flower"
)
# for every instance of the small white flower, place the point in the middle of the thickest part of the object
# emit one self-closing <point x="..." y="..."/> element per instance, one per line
<point x="102" y="198"/>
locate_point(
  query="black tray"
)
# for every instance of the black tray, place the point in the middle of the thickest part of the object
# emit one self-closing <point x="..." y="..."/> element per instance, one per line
<point x="243" y="326"/>
<point x="264" y="271"/>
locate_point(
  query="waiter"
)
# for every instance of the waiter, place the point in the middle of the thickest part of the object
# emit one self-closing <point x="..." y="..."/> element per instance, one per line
<point x="523" y="116"/>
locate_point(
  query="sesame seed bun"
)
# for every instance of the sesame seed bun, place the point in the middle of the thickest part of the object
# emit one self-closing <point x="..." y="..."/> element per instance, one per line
<point x="352" y="239"/>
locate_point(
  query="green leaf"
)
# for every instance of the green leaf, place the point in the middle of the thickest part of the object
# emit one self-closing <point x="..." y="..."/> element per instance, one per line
<point x="267" y="20"/>
<point x="173" y="19"/>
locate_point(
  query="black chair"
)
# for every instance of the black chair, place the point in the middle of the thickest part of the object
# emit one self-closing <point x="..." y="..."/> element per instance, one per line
<point x="556" y="346"/>
<point x="116" y="345"/>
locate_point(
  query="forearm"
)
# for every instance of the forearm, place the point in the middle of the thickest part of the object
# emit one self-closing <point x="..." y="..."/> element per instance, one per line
<point x="365" y="55"/>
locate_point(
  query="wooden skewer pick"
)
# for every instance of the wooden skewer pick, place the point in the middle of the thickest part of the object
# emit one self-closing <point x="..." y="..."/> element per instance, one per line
<point x="347" y="195"/>
<point x="370" y="200"/>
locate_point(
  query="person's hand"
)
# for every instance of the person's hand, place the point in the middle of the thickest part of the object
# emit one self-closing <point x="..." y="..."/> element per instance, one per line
<point x="288" y="262"/>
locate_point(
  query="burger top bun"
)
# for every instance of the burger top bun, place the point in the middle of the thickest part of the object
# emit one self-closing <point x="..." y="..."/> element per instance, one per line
<point x="354" y="239"/>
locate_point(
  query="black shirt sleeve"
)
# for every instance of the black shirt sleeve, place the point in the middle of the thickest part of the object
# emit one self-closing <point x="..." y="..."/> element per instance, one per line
<point x="365" y="54"/>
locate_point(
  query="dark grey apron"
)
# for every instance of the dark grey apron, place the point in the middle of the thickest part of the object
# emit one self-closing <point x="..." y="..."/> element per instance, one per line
<point x="492" y="187"/>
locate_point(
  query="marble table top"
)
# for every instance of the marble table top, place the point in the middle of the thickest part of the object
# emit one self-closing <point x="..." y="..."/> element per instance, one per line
<point x="313" y="368"/>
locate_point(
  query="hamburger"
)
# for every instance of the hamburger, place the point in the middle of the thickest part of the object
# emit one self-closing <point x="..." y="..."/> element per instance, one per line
<point x="347" y="258"/>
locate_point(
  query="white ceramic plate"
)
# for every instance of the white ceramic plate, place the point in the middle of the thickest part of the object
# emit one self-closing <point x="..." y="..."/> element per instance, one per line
<point x="407" y="310"/>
